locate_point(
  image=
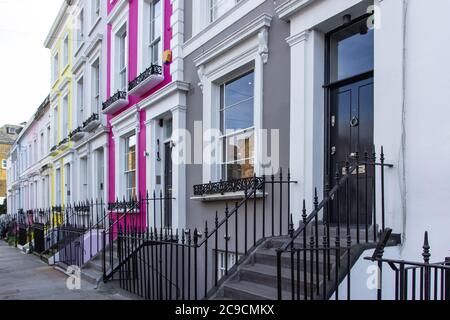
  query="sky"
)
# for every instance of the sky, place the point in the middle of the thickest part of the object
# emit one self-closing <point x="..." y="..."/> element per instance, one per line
<point x="24" y="61"/>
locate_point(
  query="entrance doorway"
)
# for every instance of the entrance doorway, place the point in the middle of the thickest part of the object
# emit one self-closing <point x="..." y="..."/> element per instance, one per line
<point x="350" y="113"/>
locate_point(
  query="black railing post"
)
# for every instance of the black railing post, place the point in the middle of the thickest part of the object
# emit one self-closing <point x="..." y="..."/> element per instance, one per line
<point x="279" y="294"/>
<point x="426" y="259"/>
<point x="383" y="223"/>
<point x="447" y="279"/>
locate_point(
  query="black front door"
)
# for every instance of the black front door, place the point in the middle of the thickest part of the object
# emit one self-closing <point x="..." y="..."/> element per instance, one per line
<point x="167" y="185"/>
<point x="351" y="118"/>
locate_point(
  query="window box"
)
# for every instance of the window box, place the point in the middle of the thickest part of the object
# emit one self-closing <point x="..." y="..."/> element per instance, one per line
<point x="115" y="103"/>
<point x="76" y="134"/>
<point x="146" y="81"/>
<point x="91" y="123"/>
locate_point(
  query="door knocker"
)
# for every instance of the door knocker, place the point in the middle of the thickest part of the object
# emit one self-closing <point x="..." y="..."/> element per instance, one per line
<point x="354" y="122"/>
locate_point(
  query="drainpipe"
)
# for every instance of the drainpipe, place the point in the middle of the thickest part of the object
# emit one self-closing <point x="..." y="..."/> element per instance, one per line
<point x="402" y="173"/>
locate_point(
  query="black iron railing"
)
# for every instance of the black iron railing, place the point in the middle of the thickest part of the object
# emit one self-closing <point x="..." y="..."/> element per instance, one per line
<point x="223" y="187"/>
<point x="119" y="95"/>
<point x="414" y="280"/>
<point x="74" y="132"/>
<point x="346" y="216"/>
<point x="129" y="214"/>
<point x="165" y="263"/>
<point x="63" y="141"/>
<point x="92" y="118"/>
<point x="150" y="71"/>
<point x="54" y="148"/>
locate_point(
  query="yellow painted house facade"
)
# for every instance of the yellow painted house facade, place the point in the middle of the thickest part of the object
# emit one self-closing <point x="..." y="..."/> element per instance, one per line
<point x="60" y="42"/>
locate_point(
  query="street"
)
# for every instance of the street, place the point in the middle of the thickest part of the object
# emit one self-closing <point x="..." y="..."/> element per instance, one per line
<point x="26" y="277"/>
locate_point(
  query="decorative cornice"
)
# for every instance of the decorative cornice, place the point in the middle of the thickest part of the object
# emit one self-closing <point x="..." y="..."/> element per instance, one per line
<point x="164" y="93"/>
<point x="80" y="62"/>
<point x="94" y="44"/>
<point x="233" y="39"/>
<point x="115" y="13"/>
<point x="297" y="38"/>
<point x="290" y="7"/>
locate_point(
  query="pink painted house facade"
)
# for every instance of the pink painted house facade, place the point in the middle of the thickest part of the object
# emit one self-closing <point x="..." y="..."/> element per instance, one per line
<point x="145" y="104"/>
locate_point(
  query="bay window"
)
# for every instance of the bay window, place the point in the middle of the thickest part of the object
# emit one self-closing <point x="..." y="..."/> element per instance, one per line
<point x="237" y="127"/>
<point x="130" y="167"/>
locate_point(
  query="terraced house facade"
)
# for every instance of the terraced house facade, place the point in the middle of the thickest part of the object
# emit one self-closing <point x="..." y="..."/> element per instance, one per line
<point x="271" y="149"/>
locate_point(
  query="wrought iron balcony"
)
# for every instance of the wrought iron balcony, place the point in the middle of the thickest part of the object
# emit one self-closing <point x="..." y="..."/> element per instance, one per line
<point x="132" y="205"/>
<point x="146" y="81"/>
<point x="117" y="101"/>
<point x="223" y="187"/>
<point x="53" y="149"/>
<point x="76" y="134"/>
<point x="91" y="123"/>
<point x="63" y="142"/>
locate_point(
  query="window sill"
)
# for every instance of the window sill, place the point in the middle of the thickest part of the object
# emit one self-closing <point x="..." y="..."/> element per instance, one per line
<point x="64" y="69"/>
<point x="77" y="51"/>
<point x="240" y="195"/>
<point x="94" y="25"/>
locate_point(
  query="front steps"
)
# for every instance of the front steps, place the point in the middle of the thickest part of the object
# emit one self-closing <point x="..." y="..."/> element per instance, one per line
<point x="256" y="278"/>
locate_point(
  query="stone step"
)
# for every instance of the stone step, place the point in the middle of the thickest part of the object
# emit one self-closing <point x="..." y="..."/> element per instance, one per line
<point x="245" y="290"/>
<point x="267" y="275"/>
<point x="92" y="276"/>
<point x="269" y="257"/>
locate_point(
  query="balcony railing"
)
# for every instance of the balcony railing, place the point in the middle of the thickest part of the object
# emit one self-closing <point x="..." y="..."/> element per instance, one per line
<point x="63" y="142"/>
<point x="147" y="80"/>
<point x="91" y="123"/>
<point x="76" y="134"/>
<point x="223" y="187"/>
<point x="117" y="101"/>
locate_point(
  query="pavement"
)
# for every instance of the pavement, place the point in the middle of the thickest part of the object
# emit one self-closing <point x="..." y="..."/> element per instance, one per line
<point x="26" y="277"/>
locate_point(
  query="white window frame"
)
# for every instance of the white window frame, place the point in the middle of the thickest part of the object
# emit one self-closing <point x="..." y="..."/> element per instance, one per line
<point x="81" y="98"/>
<point x="235" y="133"/>
<point x="122" y="61"/>
<point x="126" y="172"/>
<point x="96" y="86"/>
<point x="55" y="66"/>
<point x="65" y="50"/>
<point x="10" y="130"/>
<point x="150" y="27"/>
<point x="95" y="11"/>
<point x="124" y="125"/>
<point x="81" y="27"/>
<point x="213" y="6"/>
<point x="4" y="163"/>
<point x="220" y="263"/>
<point x="224" y="60"/>
<point x="119" y="28"/>
<point x="65" y="116"/>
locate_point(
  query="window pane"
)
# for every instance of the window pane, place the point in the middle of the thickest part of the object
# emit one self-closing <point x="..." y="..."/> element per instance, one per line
<point x="351" y="51"/>
<point x="239" y="90"/>
<point x="240" y="147"/>
<point x="239" y="116"/>
<point x="240" y="170"/>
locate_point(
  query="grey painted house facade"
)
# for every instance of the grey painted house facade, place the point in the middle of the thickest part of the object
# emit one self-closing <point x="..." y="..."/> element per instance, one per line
<point x="252" y="46"/>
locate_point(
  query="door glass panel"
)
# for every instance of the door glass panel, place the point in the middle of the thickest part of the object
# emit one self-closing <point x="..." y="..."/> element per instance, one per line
<point x="351" y="51"/>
